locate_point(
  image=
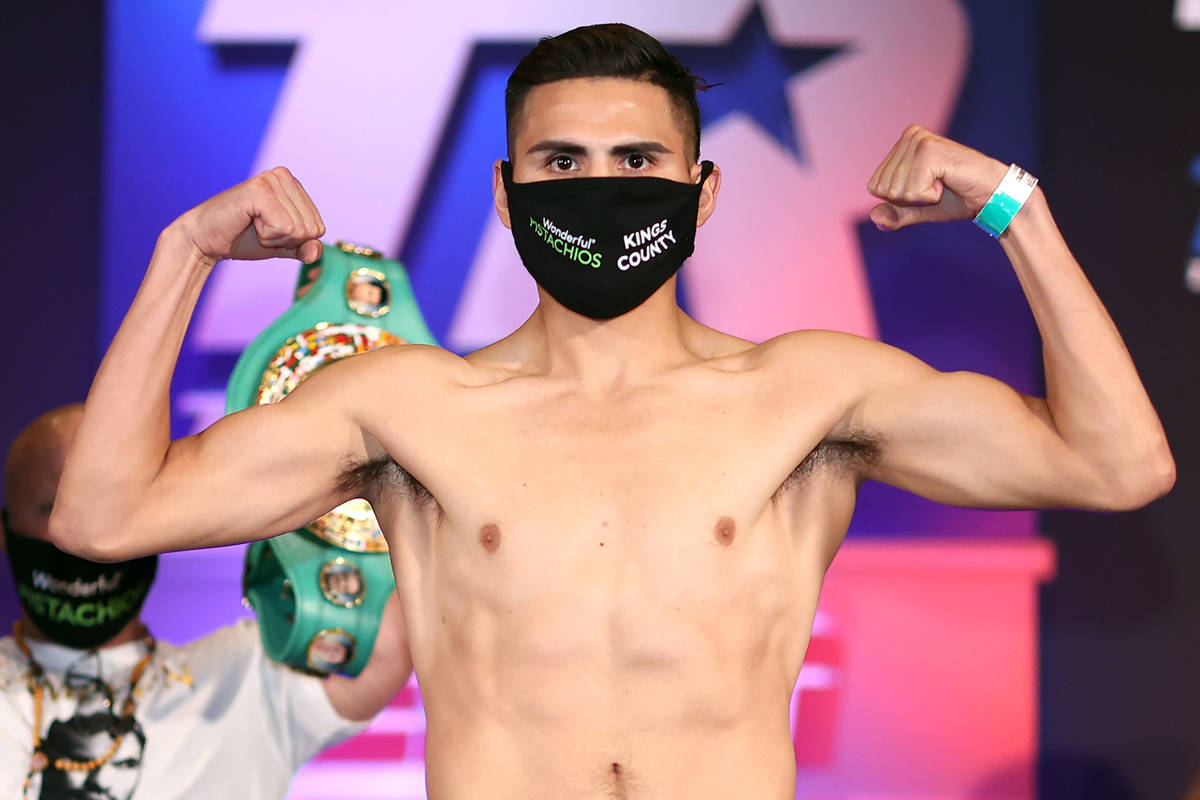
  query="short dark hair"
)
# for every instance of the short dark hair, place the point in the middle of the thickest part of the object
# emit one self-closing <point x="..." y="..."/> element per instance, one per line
<point x="612" y="50"/>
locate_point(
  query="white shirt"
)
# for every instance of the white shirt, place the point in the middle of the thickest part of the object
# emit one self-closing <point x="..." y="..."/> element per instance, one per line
<point x="215" y="719"/>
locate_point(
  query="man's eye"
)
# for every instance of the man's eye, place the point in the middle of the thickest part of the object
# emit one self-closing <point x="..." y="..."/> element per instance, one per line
<point x="563" y="163"/>
<point x="635" y="161"/>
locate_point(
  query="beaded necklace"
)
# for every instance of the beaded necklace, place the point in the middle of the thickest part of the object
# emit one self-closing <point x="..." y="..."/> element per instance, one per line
<point x="37" y="687"/>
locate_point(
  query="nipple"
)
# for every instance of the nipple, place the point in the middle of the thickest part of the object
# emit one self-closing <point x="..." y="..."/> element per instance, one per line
<point x="725" y="531"/>
<point x="489" y="537"/>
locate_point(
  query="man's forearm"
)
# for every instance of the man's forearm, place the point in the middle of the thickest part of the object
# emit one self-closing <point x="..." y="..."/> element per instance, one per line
<point x="125" y="434"/>
<point x="1094" y="395"/>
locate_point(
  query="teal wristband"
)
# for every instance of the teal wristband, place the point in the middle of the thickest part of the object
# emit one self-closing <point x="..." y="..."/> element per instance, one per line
<point x="1010" y="196"/>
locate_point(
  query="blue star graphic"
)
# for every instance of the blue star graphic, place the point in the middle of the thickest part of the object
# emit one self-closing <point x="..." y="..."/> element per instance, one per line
<point x="752" y="71"/>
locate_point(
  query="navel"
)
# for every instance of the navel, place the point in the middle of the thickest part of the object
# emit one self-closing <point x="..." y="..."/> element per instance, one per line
<point x="725" y="531"/>
<point x="489" y="537"/>
<point x="617" y="773"/>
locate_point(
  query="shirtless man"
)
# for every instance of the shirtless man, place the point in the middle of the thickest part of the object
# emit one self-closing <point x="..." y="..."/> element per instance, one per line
<point x="609" y="534"/>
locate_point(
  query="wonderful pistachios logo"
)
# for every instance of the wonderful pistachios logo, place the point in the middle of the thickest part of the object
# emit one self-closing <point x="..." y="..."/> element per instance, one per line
<point x="574" y="246"/>
<point x="86" y="614"/>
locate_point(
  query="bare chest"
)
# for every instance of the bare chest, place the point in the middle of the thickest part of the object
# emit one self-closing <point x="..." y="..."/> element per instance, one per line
<point x="655" y="478"/>
<point x="655" y="523"/>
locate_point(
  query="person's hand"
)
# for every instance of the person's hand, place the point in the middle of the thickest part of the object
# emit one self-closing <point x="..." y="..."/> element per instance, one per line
<point x="929" y="178"/>
<point x="310" y="278"/>
<point x="267" y="216"/>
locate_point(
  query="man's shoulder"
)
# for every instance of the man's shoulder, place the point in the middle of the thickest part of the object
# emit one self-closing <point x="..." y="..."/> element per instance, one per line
<point x="239" y="642"/>
<point x="228" y="655"/>
<point x="401" y="373"/>
<point x="812" y="350"/>
<point x="234" y="642"/>
<point x="791" y="371"/>
<point x="427" y="365"/>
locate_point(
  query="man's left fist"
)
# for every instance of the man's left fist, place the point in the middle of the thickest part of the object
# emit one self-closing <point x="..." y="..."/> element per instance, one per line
<point x="929" y="178"/>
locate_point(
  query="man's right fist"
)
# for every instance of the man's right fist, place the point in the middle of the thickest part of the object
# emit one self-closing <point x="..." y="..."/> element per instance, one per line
<point x="268" y="216"/>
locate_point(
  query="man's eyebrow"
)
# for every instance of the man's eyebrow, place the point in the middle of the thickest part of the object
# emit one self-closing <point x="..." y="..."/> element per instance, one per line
<point x="575" y="149"/>
<point x="639" y="147"/>
<point x="558" y="146"/>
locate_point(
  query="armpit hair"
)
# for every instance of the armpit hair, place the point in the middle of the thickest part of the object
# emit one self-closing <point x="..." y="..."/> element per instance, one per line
<point x="384" y="475"/>
<point x="846" y="454"/>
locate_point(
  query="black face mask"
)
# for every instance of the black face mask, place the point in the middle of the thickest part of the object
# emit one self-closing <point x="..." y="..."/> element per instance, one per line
<point x="73" y="601"/>
<point x="601" y="246"/>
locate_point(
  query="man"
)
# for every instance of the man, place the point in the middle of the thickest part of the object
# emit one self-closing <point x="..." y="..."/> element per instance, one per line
<point x="92" y="706"/>
<point x="610" y="528"/>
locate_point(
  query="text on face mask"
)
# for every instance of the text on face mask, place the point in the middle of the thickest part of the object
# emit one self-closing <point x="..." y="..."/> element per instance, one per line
<point x="566" y="243"/>
<point x="650" y="241"/>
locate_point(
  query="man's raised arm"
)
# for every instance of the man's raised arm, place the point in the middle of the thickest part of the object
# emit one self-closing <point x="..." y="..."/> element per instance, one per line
<point x="1094" y="442"/>
<point x="126" y="489"/>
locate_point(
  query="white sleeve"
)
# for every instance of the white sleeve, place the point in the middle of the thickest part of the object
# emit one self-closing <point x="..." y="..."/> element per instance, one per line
<point x="16" y="731"/>
<point x="16" y="719"/>
<point x="303" y="716"/>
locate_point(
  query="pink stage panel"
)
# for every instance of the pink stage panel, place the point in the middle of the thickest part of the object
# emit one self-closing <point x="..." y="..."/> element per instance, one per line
<point x="936" y="692"/>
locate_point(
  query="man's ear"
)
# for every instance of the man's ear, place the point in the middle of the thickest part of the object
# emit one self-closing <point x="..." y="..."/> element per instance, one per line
<point x="708" y="193"/>
<point x="500" y="195"/>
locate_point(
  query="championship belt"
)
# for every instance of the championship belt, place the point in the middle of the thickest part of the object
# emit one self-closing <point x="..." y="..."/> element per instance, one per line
<point x="319" y="592"/>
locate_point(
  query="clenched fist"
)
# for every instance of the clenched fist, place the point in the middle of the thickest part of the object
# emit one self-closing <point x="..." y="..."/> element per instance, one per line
<point x="929" y="178"/>
<point x="267" y="216"/>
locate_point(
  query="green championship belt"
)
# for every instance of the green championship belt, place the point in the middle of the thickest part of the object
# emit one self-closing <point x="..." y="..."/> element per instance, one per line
<point x="319" y="592"/>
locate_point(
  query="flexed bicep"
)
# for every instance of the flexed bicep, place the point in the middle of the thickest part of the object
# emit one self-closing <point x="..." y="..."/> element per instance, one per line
<point x="260" y="472"/>
<point x="966" y="439"/>
<point x="253" y="474"/>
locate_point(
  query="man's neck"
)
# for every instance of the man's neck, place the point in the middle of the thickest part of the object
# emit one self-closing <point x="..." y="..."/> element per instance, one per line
<point x="606" y="353"/>
<point x="132" y="631"/>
